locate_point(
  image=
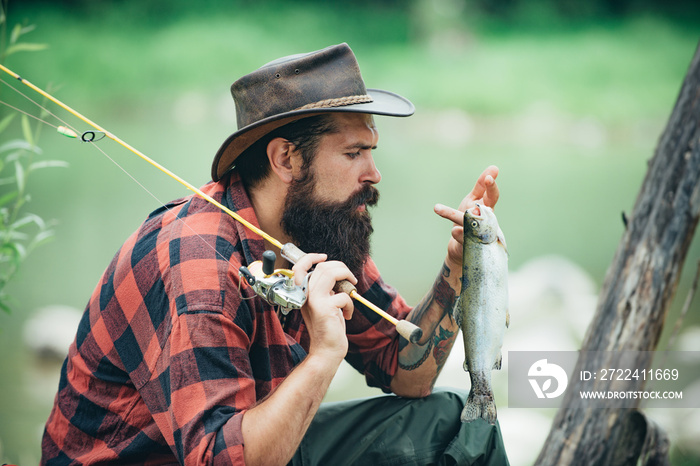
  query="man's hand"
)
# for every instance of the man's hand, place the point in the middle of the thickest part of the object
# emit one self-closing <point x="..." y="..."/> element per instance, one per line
<point x="417" y="370"/>
<point x="325" y="311"/>
<point x="485" y="192"/>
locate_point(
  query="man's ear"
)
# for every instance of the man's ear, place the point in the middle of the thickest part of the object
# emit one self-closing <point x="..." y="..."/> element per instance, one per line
<point x="279" y="153"/>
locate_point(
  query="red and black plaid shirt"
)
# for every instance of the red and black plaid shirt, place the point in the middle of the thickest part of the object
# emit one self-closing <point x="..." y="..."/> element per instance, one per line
<point x="168" y="357"/>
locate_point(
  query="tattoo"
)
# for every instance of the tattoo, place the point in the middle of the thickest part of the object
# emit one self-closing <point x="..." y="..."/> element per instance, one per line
<point x="443" y="341"/>
<point x="444" y="294"/>
<point x="428" y="314"/>
<point x="421" y="309"/>
<point x="420" y="361"/>
<point x="445" y="270"/>
<point x="440" y="343"/>
<point x="441" y="294"/>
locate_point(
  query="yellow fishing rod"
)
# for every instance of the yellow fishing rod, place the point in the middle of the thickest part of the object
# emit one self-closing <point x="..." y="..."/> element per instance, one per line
<point x="289" y="251"/>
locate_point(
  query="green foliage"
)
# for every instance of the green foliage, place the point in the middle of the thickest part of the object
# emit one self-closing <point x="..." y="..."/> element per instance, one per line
<point x="20" y="231"/>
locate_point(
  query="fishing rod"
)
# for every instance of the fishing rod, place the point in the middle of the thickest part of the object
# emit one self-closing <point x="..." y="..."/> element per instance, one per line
<point x="272" y="285"/>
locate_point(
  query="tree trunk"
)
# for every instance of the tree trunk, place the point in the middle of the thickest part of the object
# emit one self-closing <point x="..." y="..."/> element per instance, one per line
<point x="637" y="294"/>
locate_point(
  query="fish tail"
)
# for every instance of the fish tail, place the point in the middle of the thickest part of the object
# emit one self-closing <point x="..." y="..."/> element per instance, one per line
<point x="479" y="406"/>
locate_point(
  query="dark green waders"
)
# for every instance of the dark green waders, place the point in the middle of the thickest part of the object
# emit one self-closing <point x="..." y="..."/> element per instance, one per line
<point x="389" y="430"/>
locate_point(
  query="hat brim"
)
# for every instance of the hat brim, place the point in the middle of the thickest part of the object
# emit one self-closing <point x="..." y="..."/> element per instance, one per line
<point x="383" y="103"/>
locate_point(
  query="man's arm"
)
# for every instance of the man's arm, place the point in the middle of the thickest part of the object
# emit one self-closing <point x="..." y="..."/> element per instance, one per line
<point x="273" y="429"/>
<point x="421" y="363"/>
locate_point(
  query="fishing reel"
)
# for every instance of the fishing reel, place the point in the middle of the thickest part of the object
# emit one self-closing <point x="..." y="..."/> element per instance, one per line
<point x="276" y="286"/>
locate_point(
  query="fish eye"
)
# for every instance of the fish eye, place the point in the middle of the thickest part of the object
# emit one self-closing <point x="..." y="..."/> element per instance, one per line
<point x="474" y="224"/>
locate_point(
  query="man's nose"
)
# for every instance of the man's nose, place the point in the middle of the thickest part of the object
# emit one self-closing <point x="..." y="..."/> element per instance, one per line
<point x="371" y="173"/>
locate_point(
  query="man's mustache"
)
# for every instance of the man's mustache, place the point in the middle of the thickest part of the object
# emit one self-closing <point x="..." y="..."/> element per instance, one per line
<point x="368" y="195"/>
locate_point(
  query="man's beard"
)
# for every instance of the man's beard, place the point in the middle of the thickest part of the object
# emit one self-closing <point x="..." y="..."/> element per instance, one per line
<point x="337" y="229"/>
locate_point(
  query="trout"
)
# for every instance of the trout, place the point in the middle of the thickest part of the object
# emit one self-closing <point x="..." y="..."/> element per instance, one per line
<point x="482" y="308"/>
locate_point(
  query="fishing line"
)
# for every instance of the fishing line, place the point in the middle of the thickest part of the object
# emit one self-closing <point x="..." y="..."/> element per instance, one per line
<point x="67" y="130"/>
<point x="161" y="203"/>
<point x="18" y="110"/>
<point x="37" y="104"/>
<point x="92" y="139"/>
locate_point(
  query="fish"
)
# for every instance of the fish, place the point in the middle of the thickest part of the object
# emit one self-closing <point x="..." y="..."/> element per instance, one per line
<point x="481" y="311"/>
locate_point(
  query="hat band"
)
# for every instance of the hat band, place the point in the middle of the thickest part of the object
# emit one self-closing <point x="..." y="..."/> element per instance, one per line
<point x="338" y="102"/>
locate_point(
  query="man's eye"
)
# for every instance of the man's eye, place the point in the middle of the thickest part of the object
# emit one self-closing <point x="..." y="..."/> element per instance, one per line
<point x="353" y="155"/>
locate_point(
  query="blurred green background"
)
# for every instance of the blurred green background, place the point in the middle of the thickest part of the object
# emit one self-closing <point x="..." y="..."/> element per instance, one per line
<point x="567" y="98"/>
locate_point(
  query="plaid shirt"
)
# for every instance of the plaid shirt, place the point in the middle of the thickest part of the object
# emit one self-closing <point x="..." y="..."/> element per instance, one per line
<point x="168" y="357"/>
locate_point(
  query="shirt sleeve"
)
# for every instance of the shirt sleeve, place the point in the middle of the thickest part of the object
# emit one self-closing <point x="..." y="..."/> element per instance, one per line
<point x="374" y="342"/>
<point x="210" y="382"/>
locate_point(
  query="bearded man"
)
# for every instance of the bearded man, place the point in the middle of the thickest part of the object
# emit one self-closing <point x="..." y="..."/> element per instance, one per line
<point x="177" y="361"/>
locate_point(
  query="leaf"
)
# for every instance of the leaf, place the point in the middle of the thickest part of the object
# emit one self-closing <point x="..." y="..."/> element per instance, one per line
<point x="16" y="236"/>
<point x="27" y="29"/>
<point x="25" y="47"/>
<point x="41" y="238"/>
<point x="48" y="164"/>
<point x="6" y="122"/>
<point x="27" y="130"/>
<point x="21" y="253"/>
<point x="16" y="32"/>
<point x="14" y="252"/>
<point x="3" y="306"/>
<point x="14" y="156"/>
<point x="18" y="144"/>
<point x="26" y="220"/>
<point x="5" y="198"/>
<point x="19" y="174"/>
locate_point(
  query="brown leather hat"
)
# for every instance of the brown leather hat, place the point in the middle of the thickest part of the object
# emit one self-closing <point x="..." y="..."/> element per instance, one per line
<point x="299" y="86"/>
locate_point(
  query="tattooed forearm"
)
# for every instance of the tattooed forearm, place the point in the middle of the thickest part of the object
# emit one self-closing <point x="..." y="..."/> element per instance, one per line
<point x="428" y="314"/>
<point x="440" y="299"/>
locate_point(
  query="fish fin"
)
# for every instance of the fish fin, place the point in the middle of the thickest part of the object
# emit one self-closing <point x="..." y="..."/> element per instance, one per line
<point x="499" y="360"/>
<point x="479" y="406"/>
<point x="502" y="240"/>
<point x="465" y="366"/>
<point x="507" y="319"/>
